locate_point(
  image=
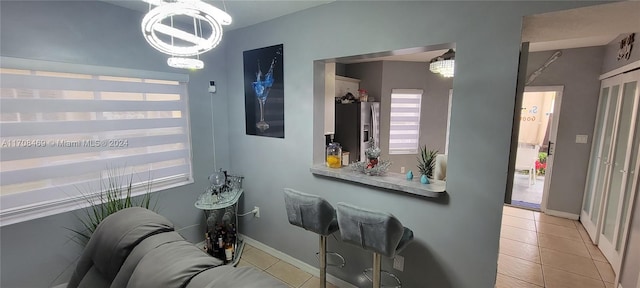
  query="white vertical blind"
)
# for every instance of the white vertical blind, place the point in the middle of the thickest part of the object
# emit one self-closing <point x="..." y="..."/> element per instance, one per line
<point x="61" y="132"/>
<point x="404" y="120"/>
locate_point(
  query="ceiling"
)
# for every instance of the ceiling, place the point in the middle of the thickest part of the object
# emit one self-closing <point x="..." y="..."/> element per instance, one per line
<point x="244" y="13"/>
<point x="575" y="28"/>
<point x="583" y="27"/>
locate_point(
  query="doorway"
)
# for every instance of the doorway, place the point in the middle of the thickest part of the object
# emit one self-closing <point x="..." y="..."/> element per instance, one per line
<point x="536" y="138"/>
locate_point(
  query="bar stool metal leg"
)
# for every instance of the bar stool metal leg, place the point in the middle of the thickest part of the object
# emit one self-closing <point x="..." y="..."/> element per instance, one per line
<point x="323" y="261"/>
<point x="377" y="267"/>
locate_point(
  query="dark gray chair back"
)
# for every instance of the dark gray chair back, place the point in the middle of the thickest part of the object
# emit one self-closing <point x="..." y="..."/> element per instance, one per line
<point x="376" y="231"/>
<point x="310" y="212"/>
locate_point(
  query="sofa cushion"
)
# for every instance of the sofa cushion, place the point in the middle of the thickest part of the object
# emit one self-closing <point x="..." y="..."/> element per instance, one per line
<point x="232" y="277"/>
<point x="171" y="264"/>
<point x="148" y="244"/>
<point x="113" y="240"/>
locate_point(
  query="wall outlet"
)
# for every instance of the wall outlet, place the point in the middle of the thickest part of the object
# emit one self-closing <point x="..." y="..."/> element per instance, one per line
<point x="256" y="212"/>
<point x="398" y="263"/>
<point x="582" y="139"/>
<point x="402" y="170"/>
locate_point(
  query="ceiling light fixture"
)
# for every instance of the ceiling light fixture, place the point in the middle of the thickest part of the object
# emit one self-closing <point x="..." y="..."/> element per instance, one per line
<point x="153" y="29"/>
<point x="444" y="64"/>
<point x="185" y="63"/>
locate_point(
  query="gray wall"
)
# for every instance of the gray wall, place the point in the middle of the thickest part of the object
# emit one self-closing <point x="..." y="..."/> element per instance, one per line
<point x="578" y="71"/>
<point x="611" y="53"/>
<point x="380" y="77"/>
<point x="96" y="33"/>
<point x="456" y="237"/>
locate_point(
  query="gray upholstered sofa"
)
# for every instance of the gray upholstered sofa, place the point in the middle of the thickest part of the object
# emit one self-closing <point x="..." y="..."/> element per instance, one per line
<point x="138" y="248"/>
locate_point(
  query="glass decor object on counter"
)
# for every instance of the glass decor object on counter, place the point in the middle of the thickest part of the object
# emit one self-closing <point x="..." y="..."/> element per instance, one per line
<point x="373" y="166"/>
<point x="334" y="155"/>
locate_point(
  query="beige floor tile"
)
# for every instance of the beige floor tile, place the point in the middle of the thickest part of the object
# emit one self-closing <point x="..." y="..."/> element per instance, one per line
<point x="288" y="273"/>
<point x="244" y="263"/>
<point x="609" y="285"/>
<point x="519" y="222"/>
<point x="557" y="230"/>
<point x="520" y="269"/>
<point x="504" y="281"/>
<point x="541" y="217"/>
<point x="606" y="272"/>
<point x="569" y="262"/>
<point x="259" y="258"/>
<point x="516" y="212"/>
<point x="576" y="247"/>
<point x="248" y="247"/>
<point x="555" y="278"/>
<point x="595" y="252"/>
<point x="314" y="282"/>
<point x="583" y="233"/>
<point x="518" y="234"/>
<point x="520" y="249"/>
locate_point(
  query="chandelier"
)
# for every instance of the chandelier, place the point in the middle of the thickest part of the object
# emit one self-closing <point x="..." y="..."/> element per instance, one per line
<point x="190" y="44"/>
<point x="444" y="64"/>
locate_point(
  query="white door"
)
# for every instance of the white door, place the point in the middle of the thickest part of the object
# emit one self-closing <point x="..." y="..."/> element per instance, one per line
<point x="622" y="177"/>
<point x="598" y="161"/>
<point x="553" y="133"/>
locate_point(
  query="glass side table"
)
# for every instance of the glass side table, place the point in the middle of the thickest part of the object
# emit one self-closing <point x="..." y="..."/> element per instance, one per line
<point x="222" y="211"/>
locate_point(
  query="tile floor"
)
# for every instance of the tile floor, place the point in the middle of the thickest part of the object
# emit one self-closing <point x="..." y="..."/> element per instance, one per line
<point x="537" y="250"/>
<point x="283" y="271"/>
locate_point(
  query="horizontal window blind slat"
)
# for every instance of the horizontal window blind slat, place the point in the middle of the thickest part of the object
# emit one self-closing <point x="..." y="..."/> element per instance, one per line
<point x="55" y="147"/>
<point x="405" y="110"/>
<point x="59" y="83"/>
<point x="93" y="126"/>
<point x="29" y="64"/>
<point x="80" y="189"/>
<point x="62" y="105"/>
<point x="65" y="170"/>
<point x="405" y="119"/>
<point x="404" y="101"/>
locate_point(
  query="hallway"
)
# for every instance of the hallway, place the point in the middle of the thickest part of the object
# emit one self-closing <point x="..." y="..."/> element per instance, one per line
<point x="537" y="250"/>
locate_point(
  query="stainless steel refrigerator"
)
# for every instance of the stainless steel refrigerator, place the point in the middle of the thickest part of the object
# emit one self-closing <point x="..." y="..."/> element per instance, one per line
<point x="357" y="123"/>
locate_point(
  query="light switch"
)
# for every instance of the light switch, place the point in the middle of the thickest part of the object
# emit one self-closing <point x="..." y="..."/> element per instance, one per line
<point x="582" y="139"/>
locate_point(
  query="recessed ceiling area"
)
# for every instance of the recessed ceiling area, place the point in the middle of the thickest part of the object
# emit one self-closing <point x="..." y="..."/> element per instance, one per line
<point x="417" y="54"/>
<point x="244" y="13"/>
<point x="583" y="27"/>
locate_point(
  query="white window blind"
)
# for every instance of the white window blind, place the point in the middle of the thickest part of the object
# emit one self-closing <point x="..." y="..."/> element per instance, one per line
<point x="63" y="131"/>
<point x="404" y="120"/>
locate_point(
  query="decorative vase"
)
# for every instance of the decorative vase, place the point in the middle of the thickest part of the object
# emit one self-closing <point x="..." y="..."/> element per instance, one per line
<point x="372" y="163"/>
<point x="409" y="175"/>
<point x="424" y="179"/>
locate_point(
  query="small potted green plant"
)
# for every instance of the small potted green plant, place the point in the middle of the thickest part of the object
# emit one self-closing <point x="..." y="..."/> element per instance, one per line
<point x="427" y="161"/>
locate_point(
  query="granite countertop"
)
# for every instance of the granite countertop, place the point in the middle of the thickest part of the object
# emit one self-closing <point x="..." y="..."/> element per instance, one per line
<point x="391" y="180"/>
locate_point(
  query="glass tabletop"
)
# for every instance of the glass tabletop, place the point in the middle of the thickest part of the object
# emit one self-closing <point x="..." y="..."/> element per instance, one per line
<point x="222" y="200"/>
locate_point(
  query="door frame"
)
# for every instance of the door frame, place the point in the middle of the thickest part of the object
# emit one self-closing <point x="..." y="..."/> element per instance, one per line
<point x="553" y="134"/>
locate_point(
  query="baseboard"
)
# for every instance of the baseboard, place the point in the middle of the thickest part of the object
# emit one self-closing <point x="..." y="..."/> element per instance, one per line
<point x="295" y="262"/>
<point x="561" y="214"/>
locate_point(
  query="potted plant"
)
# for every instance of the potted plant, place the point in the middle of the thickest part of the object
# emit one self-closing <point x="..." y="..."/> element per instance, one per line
<point x="427" y="161"/>
<point x="113" y="196"/>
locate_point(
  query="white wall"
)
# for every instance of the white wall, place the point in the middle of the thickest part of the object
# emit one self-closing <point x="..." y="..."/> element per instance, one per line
<point x="456" y="238"/>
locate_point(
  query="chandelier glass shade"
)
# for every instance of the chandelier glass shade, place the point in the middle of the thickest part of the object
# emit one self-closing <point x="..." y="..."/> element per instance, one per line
<point x="191" y="44"/>
<point x="443" y="65"/>
<point x="185" y="63"/>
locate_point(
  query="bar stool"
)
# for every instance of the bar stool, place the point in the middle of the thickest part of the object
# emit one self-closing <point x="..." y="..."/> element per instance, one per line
<point x="314" y="214"/>
<point x="378" y="232"/>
